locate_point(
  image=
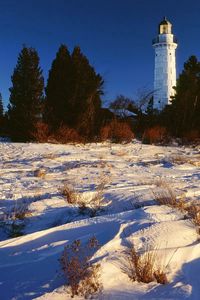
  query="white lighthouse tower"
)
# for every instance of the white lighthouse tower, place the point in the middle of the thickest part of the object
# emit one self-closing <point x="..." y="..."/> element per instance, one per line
<point x="165" y="45"/>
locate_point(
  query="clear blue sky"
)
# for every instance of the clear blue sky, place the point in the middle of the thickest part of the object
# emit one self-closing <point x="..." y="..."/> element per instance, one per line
<point x="114" y="34"/>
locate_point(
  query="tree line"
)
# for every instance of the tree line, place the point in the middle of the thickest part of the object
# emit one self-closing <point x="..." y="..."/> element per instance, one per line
<point x="71" y="98"/>
<point x="69" y="107"/>
<point x="181" y="118"/>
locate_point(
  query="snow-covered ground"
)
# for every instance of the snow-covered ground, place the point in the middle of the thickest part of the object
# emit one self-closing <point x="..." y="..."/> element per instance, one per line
<point x="32" y="178"/>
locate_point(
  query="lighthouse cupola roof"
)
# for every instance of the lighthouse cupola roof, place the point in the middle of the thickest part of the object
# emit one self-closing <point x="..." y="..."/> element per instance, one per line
<point x="165" y="27"/>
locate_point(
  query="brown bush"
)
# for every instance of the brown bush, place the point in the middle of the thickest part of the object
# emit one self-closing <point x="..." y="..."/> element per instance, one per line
<point x="166" y="196"/>
<point x="192" y="136"/>
<point x="141" y="267"/>
<point x="41" y="132"/>
<point x="70" y="195"/>
<point x="82" y="276"/>
<point x="91" y="206"/>
<point x="117" y="132"/>
<point x="62" y="135"/>
<point x="40" y="173"/>
<point x="156" y="134"/>
<point x="194" y="213"/>
<point x="65" y="135"/>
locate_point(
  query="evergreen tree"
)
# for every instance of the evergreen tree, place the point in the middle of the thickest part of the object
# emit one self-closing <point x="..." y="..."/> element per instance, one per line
<point x="26" y="95"/>
<point x="1" y="115"/>
<point x="59" y="90"/>
<point x="87" y="89"/>
<point x="1" y="107"/>
<point x="185" y="108"/>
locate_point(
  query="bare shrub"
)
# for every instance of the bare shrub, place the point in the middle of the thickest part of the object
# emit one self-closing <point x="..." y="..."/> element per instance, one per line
<point x="18" y="212"/>
<point x="49" y="156"/>
<point x="179" y="159"/>
<point x="166" y="196"/>
<point x="12" y="221"/>
<point x="91" y="206"/>
<point x="192" y="136"/>
<point x="142" y="267"/>
<point x="120" y="153"/>
<point x="156" y="134"/>
<point x="117" y="132"/>
<point x="83" y="277"/>
<point x="40" y="173"/>
<point x="15" y="229"/>
<point x="194" y="213"/>
<point x="95" y="204"/>
<point x="65" y="135"/>
<point x="160" y="276"/>
<point x="71" y="196"/>
<point x="41" y="132"/>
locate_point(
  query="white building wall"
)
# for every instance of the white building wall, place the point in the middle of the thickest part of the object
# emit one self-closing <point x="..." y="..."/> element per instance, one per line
<point x="165" y="70"/>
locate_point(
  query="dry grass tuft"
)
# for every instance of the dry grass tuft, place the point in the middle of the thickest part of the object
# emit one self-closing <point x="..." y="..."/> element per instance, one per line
<point x="82" y="276"/>
<point x="142" y="267"/>
<point x="70" y="195"/>
<point x="92" y="206"/>
<point x="178" y="159"/>
<point x="194" y="213"/>
<point x="166" y="196"/>
<point x="40" y="173"/>
<point x="96" y="202"/>
<point x="13" y="221"/>
<point x="19" y="211"/>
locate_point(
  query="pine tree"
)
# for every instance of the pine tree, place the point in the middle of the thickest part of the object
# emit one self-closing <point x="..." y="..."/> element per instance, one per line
<point x="26" y="95"/>
<point x="1" y="107"/>
<point x="87" y="89"/>
<point x="1" y="115"/>
<point x="59" y="90"/>
<point x="186" y="103"/>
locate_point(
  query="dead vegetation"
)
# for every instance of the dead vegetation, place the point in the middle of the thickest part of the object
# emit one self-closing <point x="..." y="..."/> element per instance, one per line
<point x="82" y="276"/>
<point x="91" y="205"/>
<point x="143" y="267"/>
<point x="117" y="132"/>
<point x="70" y="195"/>
<point x="180" y="159"/>
<point x="12" y="221"/>
<point x="155" y="135"/>
<point x="165" y="195"/>
<point x="41" y="173"/>
<point x="18" y="212"/>
<point x="194" y="213"/>
<point x="63" y="134"/>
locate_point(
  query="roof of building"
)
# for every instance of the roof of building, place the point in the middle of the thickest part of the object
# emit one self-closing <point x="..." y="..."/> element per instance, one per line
<point x="165" y="22"/>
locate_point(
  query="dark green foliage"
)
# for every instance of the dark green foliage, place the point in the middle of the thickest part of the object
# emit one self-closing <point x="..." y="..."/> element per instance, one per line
<point x="58" y="105"/>
<point x="185" y="108"/>
<point x="73" y="93"/>
<point x="1" y="115"/>
<point x="26" y="95"/>
<point x="182" y="117"/>
<point x="87" y="89"/>
<point x="1" y="107"/>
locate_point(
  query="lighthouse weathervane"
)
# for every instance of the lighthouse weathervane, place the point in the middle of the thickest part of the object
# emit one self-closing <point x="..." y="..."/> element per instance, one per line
<point x="165" y="45"/>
